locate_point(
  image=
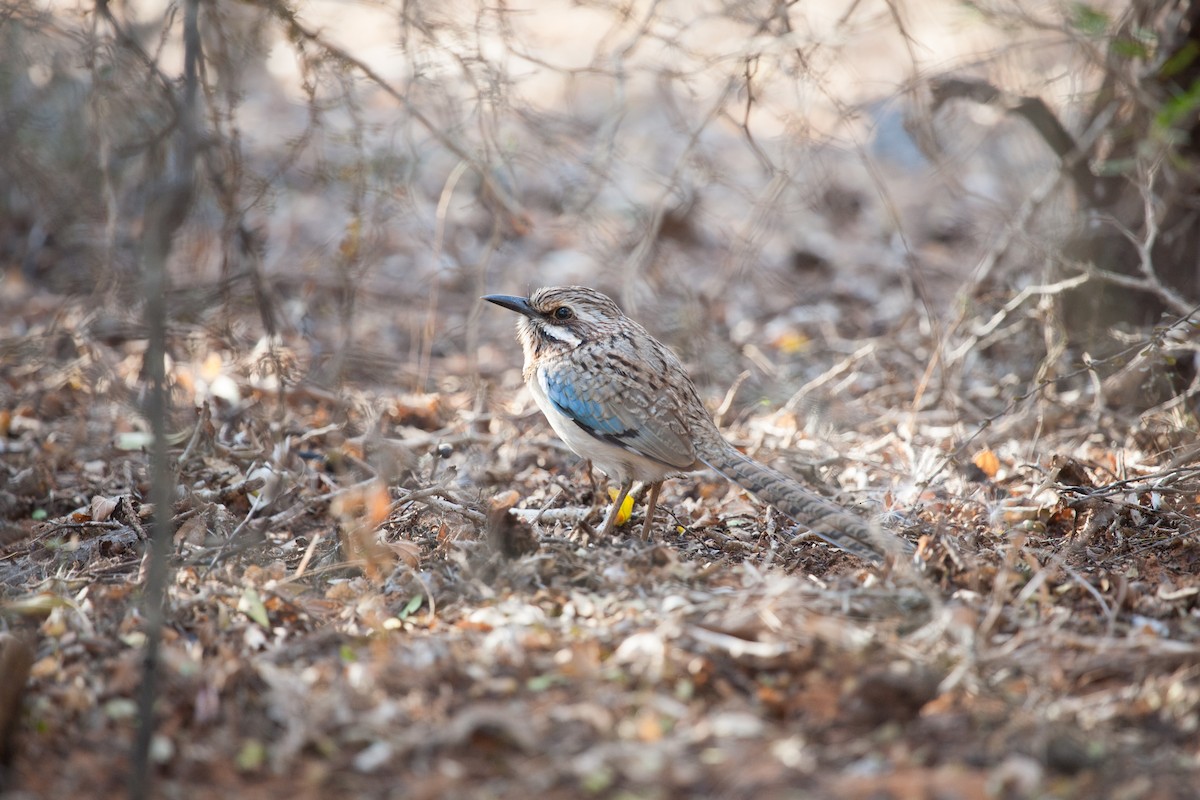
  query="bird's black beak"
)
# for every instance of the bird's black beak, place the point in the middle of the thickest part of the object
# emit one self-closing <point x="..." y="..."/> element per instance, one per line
<point x="512" y="303"/>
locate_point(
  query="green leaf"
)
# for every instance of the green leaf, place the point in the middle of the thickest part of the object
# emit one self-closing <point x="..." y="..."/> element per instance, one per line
<point x="252" y="755"/>
<point x="252" y="606"/>
<point x="1131" y="48"/>
<point x="1180" y="60"/>
<point x="1115" y="166"/>
<point x="1179" y="108"/>
<point x="1088" y="20"/>
<point x="598" y="780"/>
<point x="540" y="683"/>
<point x="411" y="606"/>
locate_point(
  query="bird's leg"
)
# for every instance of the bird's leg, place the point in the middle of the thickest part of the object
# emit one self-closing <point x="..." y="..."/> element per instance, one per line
<point x="593" y="488"/>
<point x="591" y="476"/>
<point x="611" y="522"/>
<point x="651" y="503"/>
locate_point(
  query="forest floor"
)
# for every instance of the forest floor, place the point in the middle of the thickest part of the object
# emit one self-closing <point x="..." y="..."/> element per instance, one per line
<point x="351" y="612"/>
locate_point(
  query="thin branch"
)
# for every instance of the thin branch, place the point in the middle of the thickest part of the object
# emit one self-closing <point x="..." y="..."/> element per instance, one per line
<point x="168" y="206"/>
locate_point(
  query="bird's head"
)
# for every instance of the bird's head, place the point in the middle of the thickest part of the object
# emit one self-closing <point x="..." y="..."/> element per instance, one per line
<point x="561" y="318"/>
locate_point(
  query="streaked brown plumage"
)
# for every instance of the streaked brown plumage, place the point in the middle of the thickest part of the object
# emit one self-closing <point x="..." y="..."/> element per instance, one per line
<point x="621" y="399"/>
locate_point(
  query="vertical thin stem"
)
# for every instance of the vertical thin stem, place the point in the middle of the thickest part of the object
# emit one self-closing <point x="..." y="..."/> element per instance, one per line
<point x="167" y="208"/>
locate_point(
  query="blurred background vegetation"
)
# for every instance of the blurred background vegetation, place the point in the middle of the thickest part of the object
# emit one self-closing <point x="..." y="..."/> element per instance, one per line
<point x="366" y="169"/>
<point x="1008" y="188"/>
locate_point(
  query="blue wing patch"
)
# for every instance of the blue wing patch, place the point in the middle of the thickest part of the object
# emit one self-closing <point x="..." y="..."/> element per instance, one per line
<point x="587" y="414"/>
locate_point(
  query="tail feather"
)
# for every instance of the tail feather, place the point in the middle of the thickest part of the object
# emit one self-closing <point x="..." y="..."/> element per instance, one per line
<point x="836" y="525"/>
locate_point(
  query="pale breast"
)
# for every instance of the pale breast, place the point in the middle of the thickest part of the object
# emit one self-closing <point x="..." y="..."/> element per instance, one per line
<point x="617" y="462"/>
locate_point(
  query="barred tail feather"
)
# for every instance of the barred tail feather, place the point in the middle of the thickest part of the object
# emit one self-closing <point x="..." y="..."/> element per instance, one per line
<point x="826" y="519"/>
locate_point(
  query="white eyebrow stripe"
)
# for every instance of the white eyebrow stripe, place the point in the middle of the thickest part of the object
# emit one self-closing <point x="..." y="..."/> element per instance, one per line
<point x="560" y="333"/>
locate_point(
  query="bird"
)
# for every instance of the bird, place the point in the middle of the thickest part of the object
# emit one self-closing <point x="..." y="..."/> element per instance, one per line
<point x="622" y="400"/>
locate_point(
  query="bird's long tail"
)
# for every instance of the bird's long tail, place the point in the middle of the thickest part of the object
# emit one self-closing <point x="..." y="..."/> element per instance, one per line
<point x="836" y="525"/>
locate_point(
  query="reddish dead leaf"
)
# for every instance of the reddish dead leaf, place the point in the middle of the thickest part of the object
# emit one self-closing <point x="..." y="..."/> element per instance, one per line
<point x="648" y="726"/>
<point x="368" y="505"/>
<point x="987" y="462"/>
<point x="474" y="625"/>
<point x="256" y="575"/>
<point x="423" y="411"/>
<point x="378" y="504"/>
<point x="364" y="547"/>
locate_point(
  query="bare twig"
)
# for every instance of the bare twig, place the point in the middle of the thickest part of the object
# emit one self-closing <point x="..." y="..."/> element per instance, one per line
<point x="169" y="204"/>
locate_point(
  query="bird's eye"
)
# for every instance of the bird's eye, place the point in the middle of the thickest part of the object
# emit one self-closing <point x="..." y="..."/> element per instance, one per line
<point x="563" y="313"/>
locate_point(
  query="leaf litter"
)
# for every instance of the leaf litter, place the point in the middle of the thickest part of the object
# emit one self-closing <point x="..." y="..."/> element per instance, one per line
<point x="376" y="590"/>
